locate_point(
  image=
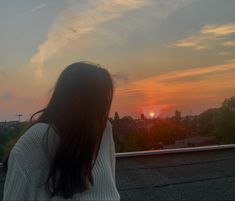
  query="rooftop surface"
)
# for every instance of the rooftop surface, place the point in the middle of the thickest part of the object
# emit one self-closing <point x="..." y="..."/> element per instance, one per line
<point x="188" y="175"/>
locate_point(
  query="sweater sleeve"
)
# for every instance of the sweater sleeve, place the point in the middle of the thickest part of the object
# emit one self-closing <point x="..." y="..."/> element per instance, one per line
<point x="112" y="151"/>
<point x="17" y="182"/>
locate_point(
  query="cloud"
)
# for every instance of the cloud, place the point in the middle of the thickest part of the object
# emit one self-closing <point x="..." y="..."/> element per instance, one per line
<point x="72" y="24"/>
<point x="173" y="90"/>
<point x="225" y="53"/>
<point x="195" y="72"/>
<point x="85" y="17"/>
<point x="196" y="42"/>
<point x="219" y="30"/>
<point x="6" y="96"/>
<point x="207" y="37"/>
<point x="180" y="74"/>
<point x="35" y="9"/>
<point x="120" y="77"/>
<point x="153" y="83"/>
<point x="229" y="43"/>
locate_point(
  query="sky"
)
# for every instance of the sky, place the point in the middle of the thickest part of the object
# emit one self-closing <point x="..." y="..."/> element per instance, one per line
<point x="164" y="55"/>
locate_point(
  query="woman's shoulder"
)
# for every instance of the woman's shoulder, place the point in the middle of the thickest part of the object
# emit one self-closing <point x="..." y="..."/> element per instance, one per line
<point x="107" y="134"/>
<point x="33" y="133"/>
<point x="108" y="128"/>
<point x="109" y="124"/>
<point x="30" y="142"/>
<point x="29" y="150"/>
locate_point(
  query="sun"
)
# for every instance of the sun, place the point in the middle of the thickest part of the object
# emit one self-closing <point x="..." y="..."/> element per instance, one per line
<point x="152" y="114"/>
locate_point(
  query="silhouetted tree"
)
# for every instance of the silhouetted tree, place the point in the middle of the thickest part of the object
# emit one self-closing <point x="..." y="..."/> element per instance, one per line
<point x="228" y="120"/>
<point x="219" y="122"/>
<point x="9" y="137"/>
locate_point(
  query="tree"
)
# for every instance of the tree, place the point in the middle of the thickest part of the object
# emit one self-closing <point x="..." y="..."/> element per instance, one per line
<point x="228" y="120"/>
<point x="1" y="153"/>
<point x="9" y="137"/>
<point x="209" y="121"/>
<point x="219" y="122"/>
<point x="167" y="131"/>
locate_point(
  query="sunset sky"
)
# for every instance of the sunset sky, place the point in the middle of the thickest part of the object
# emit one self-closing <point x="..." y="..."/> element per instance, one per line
<point x="163" y="54"/>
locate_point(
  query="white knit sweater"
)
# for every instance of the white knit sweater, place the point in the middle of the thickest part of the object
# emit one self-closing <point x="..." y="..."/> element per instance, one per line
<point x="28" y="166"/>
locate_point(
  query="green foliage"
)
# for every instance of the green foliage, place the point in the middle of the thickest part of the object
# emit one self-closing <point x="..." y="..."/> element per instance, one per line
<point x="162" y="131"/>
<point x="228" y="120"/>
<point x="9" y="136"/>
<point x="1" y="153"/>
<point x="209" y="122"/>
<point x="229" y="104"/>
<point x="167" y="131"/>
<point x="129" y="143"/>
<point x="220" y="122"/>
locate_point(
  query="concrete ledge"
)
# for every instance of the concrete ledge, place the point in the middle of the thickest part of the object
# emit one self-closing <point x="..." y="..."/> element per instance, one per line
<point x="174" y="151"/>
<point x="171" y="151"/>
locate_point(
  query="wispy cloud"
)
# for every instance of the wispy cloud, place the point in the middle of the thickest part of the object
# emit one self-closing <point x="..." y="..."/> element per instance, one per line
<point x="219" y="30"/>
<point x="196" y="42"/>
<point x="225" y="53"/>
<point x="195" y="72"/>
<point x="35" y="9"/>
<point x="207" y="37"/>
<point x="78" y="20"/>
<point x="120" y="77"/>
<point x="174" y="90"/>
<point x="71" y="24"/>
<point x="179" y="74"/>
<point x="229" y="43"/>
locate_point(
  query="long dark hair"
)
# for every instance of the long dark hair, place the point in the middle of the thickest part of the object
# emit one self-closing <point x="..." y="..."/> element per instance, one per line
<point x="78" y="109"/>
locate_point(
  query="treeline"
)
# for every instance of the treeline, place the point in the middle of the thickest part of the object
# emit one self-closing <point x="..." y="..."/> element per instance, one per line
<point x="162" y="132"/>
<point x="218" y="122"/>
<point x="9" y="136"/>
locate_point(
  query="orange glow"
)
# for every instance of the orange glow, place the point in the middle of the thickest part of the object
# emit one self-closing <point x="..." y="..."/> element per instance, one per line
<point x="184" y="89"/>
<point x="152" y="114"/>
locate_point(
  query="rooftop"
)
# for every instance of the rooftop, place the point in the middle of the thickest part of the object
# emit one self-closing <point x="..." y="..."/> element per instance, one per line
<point x="206" y="173"/>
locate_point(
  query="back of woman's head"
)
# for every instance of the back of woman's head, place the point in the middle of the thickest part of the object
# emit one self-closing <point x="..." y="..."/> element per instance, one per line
<point x="78" y="109"/>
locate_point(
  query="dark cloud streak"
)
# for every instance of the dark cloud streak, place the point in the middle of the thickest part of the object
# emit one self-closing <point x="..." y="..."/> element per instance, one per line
<point x="120" y="77"/>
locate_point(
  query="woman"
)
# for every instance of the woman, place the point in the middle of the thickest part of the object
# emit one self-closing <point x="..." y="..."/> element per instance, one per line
<point x="68" y="152"/>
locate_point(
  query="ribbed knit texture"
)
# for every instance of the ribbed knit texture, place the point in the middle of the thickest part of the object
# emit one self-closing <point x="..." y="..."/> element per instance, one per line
<point x="28" y="167"/>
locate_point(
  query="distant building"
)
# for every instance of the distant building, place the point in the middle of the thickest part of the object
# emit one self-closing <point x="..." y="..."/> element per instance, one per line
<point x="142" y="117"/>
<point x="8" y="124"/>
<point x="116" y="117"/>
<point x="123" y="126"/>
<point x="194" y="141"/>
<point x="177" y="115"/>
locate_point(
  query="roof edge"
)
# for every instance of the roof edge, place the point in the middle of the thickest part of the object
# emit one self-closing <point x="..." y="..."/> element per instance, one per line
<point x="174" y="151"/>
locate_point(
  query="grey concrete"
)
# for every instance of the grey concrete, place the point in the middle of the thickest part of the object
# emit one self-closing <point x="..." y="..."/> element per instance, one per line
<point x="205" y="175"/>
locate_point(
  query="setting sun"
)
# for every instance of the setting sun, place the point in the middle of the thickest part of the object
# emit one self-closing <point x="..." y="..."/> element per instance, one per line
<point x="151" y="114"/>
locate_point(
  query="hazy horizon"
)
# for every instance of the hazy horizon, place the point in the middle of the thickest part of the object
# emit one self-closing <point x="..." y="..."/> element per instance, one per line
<point x="163" y="54"/>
